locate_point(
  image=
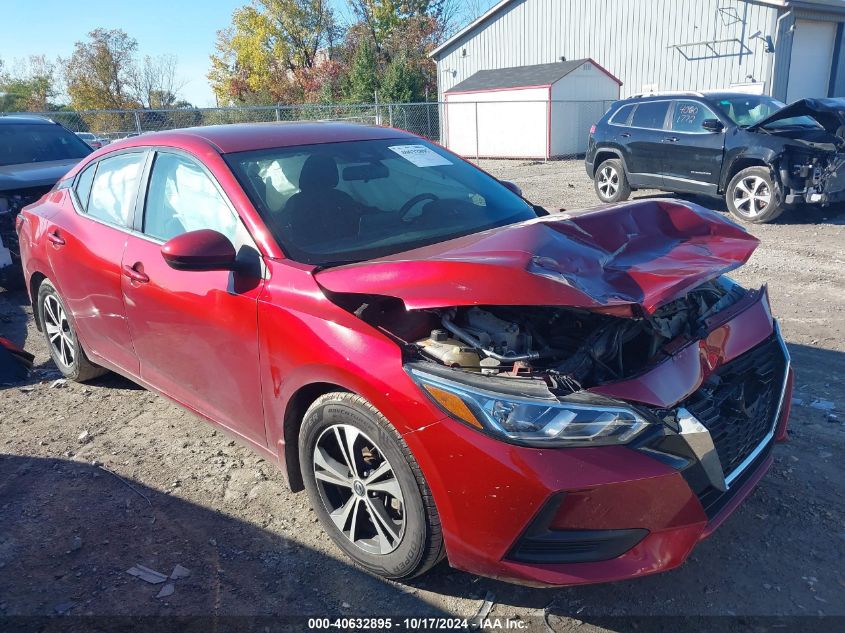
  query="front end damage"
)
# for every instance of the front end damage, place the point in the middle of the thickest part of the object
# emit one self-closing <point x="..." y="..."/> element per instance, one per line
<point x="674" y="407"/>
<point x="810" y="166"/>
<point x="11" y="203"/>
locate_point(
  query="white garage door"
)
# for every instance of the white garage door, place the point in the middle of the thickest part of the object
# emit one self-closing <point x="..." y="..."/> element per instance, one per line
<point x="812" y="57"/>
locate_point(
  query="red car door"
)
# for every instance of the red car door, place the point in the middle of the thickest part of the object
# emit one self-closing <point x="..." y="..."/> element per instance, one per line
<point x="195" y="333"/>
<point x="86" y="249"/>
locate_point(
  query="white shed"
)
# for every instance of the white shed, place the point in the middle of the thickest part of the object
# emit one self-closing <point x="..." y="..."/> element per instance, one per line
<point x="540" y="112"/>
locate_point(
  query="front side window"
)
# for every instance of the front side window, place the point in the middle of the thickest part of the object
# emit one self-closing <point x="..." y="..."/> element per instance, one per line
<point x="650" y="114"/>
<point x="342" y="202"/>
<point x="688" y="116"/>
<point x="181" y="198"/>
<point x="115" y="187"/>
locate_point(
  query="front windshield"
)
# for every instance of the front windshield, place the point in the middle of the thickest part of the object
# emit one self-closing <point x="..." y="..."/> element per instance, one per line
<point x="35" y="142"/>
<point x="747" y="110"/>
<point x="344" y="202"/>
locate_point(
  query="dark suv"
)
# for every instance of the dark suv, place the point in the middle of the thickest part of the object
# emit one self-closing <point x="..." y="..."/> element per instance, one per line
<point x="34" y="153"/>
<point x="761" y="155"/>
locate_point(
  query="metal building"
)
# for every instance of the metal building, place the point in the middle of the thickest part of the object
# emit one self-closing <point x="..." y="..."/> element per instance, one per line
<point x="788" y="48"/>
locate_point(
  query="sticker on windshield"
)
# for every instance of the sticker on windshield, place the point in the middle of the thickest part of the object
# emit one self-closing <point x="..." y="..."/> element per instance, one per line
<point x="420" y="155"/>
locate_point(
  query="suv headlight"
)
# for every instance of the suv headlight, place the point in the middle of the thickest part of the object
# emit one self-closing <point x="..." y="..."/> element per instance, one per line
<point x="532" y="422"/>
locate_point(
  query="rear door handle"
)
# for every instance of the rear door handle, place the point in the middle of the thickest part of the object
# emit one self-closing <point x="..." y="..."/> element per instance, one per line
<point x="135" y="275"/>
<point x="625" y="135"/>
<point x="671" y="139"/>
<point x="57" y="239"/>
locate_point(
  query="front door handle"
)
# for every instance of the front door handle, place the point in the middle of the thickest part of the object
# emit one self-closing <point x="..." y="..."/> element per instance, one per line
<point x="625" y="135"/>
<point x="671" y="139"/>
<point x="55" y="238"/>
<point x="135" y="275"/>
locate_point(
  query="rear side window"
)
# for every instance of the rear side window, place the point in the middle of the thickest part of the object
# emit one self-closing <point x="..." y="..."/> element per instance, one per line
<point x="622" y="115"/>
<point x="114" y="188"/>
<point x="182" y="198"/>
<point x="651" y="114"/>
<point x="689" y="115"/>
<point x="83" y="185"/>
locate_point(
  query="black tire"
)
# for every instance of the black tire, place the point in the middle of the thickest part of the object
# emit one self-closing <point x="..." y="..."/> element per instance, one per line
<point x="419" y="544"/>
<point x="753" y="197"/>
<point x="68" y="354"/>
<point x="610" y="181"/>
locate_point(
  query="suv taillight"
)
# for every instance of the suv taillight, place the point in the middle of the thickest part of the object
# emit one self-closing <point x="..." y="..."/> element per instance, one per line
<point x="592" y="129"/>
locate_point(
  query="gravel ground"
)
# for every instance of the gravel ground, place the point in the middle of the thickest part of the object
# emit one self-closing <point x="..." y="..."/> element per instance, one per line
<point x="97" y="478"/>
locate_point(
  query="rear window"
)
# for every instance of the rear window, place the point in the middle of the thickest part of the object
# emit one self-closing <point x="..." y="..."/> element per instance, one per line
<point x="35" y="143"/>
<point x="622" y="115"/>
<point x="651" y="114"/>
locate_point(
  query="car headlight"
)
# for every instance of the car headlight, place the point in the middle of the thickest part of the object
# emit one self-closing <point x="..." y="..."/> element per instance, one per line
<point x="529" y="421"/>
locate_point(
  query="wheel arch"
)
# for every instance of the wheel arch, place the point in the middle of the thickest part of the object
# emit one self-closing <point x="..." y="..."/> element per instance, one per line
<point x="740" y="163"/>
<point x="295" y="410"/>
<point x="34" y="284"/>
<point x="607" y="153"/>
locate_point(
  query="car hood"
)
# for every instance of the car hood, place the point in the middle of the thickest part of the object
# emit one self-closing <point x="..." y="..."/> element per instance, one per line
<point x="636" y="256"/>
<point x="31" y="175"/>
<point x="830" y="113"/>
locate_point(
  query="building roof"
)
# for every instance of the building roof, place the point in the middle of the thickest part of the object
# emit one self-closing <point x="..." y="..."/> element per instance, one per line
<point x="492" y="13"/>
<point x="539" y="75"/>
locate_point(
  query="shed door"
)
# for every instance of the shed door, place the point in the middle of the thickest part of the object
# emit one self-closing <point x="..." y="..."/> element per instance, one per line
<point x="812" y="57"/>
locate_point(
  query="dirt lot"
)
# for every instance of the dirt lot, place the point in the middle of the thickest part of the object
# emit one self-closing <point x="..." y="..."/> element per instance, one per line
<point x="97" y="478"/>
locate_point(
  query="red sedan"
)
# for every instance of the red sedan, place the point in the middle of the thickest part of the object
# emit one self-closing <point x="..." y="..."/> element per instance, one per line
<point x="447" y="370"/>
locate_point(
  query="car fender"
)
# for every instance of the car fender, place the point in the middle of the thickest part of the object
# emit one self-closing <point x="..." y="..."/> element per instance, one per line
<point x="608" y="150"/>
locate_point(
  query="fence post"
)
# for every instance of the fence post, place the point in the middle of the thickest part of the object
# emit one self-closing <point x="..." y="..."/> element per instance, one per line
<point x="390" y="114"/>
<point x="137" y="122"/>
<point x="278" y="113"/>
<point x="477" y="151"/>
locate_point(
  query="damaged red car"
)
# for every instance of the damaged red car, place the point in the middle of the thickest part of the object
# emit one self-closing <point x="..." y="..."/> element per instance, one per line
<point x="446" y="369"/>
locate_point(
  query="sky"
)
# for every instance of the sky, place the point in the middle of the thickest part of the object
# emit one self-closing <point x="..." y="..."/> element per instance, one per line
<point x="184" y="28"/>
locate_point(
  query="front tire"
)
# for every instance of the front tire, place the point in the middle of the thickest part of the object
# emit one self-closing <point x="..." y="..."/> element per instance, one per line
<point x="753" y="197"/>
<point x="367" y="489"/>
<point x="610" y="182"/>
<point x="64" y="346"/>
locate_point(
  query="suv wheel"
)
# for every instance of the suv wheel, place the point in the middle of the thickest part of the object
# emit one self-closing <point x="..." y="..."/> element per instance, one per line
<point x="610" y="181"/>
<point x="753" y="197"/>
<point x="64" y="346"/>
<point x="367" y="489"/>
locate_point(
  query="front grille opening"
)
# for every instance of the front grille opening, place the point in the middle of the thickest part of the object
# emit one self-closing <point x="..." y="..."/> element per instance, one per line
<point x="739" y="401"/>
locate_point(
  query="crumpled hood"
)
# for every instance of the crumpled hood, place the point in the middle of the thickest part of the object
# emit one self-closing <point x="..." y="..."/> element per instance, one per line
<point x="30" y="175"/>
<point x="830" y="113"/>
<point x="639" y="254"/>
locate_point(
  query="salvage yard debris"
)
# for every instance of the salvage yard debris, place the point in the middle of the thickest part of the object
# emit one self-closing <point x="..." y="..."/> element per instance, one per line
<point x="156" y="577"/>
<point x="15" y="362"/>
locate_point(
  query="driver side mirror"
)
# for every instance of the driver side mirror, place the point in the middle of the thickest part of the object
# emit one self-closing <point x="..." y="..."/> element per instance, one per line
<point x="200" y="250"/>
<point x="712" y="125"/>
<point x="512" y="186"/>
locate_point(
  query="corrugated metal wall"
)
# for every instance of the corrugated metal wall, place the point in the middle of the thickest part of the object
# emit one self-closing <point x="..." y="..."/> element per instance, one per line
<point x="633" y="39"/>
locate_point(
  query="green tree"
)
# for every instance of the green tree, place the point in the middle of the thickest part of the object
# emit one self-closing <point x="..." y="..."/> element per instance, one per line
<point x="363" y="76"/>
<point x="101" y="72"/>
<point x="402" y="82"/>
<point x="30" y="87"/>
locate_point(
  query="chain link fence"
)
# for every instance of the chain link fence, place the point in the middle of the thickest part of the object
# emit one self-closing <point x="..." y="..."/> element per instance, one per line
<point x="501" y="129"/>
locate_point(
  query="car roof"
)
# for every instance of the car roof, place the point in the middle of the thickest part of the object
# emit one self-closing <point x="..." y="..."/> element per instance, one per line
<point x="12" y="119"/>
<point x="242" y="137"/>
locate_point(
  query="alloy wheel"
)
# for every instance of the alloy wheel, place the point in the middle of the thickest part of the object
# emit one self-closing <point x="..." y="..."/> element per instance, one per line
<point x="608" y="181"/>
<point x="752" y="196"/>
<point x="359" y="489"/>
<point x="58" y="330"/>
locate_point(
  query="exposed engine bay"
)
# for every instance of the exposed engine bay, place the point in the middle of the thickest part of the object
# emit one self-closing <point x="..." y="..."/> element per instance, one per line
<point x="813" y="177"/>
<point x="11" y="203"/>
<point x="569" y="349"/>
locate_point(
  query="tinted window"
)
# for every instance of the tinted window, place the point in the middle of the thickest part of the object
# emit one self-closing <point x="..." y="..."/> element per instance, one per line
<point x="34" y="143"/>
<point x="622" y="115"/>
<point x="182" y="198"/>
<point x="83" y="184"/>
<point x="689" y="115"/>
<point x="115" y="187"/>
<point x="341" y="202"/>
<point x="650" y="114"/>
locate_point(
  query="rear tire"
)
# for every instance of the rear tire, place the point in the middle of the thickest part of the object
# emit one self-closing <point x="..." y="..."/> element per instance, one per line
<point x="64" y="346"/>
<point x="753" y="197"/>
<point x="610" y="182"/>
<point x="379" y="510"/>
